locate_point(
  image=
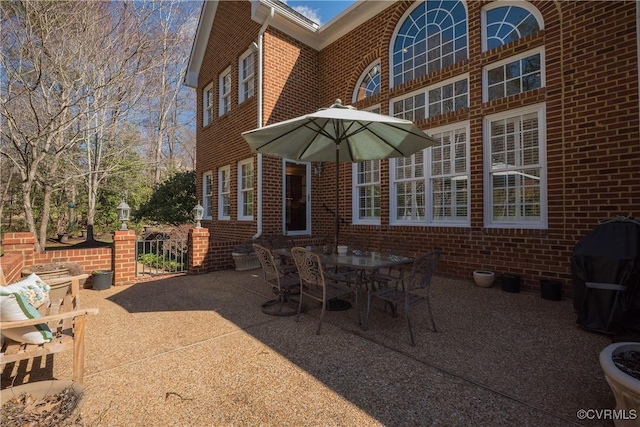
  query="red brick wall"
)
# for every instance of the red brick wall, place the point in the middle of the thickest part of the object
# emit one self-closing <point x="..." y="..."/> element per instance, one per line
<point x="198" y="250"/>
<point x="21" y="245"/>
<point x="220" y="143"/>
<point x="591" y="98"/>
<point x="124" y="257"/>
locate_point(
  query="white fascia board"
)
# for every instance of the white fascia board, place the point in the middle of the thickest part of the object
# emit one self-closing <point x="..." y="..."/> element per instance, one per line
<point x="285" y="21"/>
<point x="318" y="38"/>
<point x="207" y="14"/>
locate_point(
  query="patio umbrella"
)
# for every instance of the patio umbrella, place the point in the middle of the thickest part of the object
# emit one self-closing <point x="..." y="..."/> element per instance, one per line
<point x="339" y="133"/>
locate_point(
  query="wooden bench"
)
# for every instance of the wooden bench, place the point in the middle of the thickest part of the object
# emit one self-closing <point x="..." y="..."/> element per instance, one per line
<point x="66" y="321"/>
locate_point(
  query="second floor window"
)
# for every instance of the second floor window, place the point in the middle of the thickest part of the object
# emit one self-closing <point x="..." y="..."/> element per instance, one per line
<point x="504" y="24"/>
<point x="438" y="99"/>
<point x="513" y="76"/>
<point x="369" y="83"/>
<point x="433" y="36"/>
<point x="225" y="92"/>
<point x="207" y="105"/>
<point x="246" y="73"/>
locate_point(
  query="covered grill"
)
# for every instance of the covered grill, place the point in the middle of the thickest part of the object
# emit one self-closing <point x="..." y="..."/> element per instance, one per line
<point x="605" y="269"/>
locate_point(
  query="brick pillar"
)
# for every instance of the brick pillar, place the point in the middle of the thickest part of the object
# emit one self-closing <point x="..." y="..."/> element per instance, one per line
<point x="22" y="244"/>
<point x="124" y="257"/>
<point x="198" y="250"/>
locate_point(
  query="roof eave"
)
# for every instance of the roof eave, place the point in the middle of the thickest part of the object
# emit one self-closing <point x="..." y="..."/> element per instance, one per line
<point x="207" y="14"/>
<point x="285" y="21"/>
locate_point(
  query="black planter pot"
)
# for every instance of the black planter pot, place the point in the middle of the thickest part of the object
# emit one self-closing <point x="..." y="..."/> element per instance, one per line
<point x="551" y="290"/>
<point x="510" y="283"/>
<point x="102" y="280"/>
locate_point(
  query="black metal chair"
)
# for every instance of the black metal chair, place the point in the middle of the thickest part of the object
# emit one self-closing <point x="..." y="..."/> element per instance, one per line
<point x="317" y="285"/>
<point x="409" y="291"/>
<point x="283" y="282"/>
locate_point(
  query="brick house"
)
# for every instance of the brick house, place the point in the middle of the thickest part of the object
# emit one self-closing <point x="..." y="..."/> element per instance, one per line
<point x="535" y="105"/>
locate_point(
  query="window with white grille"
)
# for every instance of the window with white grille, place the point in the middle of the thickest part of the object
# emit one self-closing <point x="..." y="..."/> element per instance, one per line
<point x="207" y="105"/>
<point x="245" y="190"/>
<point x="366" y="195"/>
<point x="507" y="21"/>
<point x="514" y="75"/>
<point x="246" y="72"/>
<point x="515" y="169"/>
<point x="431" y="37"/>
<point x="207" y="193"/>
<point x="225" y="92"/>
<point x="224" y="193"/>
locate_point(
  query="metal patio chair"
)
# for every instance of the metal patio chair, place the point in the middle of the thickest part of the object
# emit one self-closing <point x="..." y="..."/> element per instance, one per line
<point x="283" y="282"/>
<point x="408" y="291"/>
<point x="317" y="285"/>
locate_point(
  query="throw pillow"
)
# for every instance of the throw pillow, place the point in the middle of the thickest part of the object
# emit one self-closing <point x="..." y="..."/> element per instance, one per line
<point x="13" y="307"/>
<point x="31" y="287"/>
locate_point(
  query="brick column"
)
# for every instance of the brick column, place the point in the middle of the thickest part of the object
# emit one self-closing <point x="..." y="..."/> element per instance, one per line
<point x="198" y="250"/>
<point x="124" y="257"/>
<point x="22" y="244"/>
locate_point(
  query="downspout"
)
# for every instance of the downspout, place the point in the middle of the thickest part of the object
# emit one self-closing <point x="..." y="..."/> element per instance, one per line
<point x="265" y="24"/>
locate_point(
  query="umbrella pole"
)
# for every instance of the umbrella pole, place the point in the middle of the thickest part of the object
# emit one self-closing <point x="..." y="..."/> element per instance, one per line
<point x="337" y="224"/>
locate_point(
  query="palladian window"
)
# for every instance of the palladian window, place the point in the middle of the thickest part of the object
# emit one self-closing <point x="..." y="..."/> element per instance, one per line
<point x="433" y="36"/>
<point x="510" y="22"/>
<point x="369" y="83"/>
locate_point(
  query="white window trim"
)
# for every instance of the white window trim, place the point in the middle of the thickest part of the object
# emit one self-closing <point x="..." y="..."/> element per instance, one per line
<point x="397" y="30"/>
<point x="486" y="68"/>
<point x="207" y="105"/>
<point x="428" y="158"/>
<point x="221" y="170"/>
<point x="241" y="190"/>
<point x="518" y="3"/>
<point x="393" y="193"/>
<point x="355" y="206"/>
<point x="428" y="220"/>
<point x="354" y="97"/>
<point x="207" y="198"/>
<point x="242" y="81"/>
<point x="221" y="94"/>
<point x="426" y="90"/>
<point x="542" y="153"/>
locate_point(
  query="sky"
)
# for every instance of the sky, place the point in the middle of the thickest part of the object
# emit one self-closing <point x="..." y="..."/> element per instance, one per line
<point x="321" y="11"/>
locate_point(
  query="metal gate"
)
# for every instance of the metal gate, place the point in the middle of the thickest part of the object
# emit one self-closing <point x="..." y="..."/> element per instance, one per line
<point x="159" y="253"/>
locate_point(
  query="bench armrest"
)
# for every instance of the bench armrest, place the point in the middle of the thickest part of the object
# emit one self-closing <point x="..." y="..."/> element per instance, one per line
<point x="48" y="319"/>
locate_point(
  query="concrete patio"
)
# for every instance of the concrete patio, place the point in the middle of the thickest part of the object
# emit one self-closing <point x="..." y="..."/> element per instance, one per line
<point x="198" y="351"/>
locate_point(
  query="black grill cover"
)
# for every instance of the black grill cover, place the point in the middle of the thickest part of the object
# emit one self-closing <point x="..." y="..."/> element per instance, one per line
<point x="603" y="261"/>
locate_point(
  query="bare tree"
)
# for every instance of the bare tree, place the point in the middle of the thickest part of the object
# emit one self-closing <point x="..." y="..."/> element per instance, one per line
<point x="65" y="75"/>
<point x="169" y="104"/>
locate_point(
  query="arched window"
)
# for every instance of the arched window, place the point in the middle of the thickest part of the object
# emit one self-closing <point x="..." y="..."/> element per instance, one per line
<point x="508" y="22"/>
<point x="369" y="83"/>
<point x="433" y="36"/>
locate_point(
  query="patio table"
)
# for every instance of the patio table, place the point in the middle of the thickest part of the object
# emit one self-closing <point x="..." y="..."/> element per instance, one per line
<point x="362" y="261"/>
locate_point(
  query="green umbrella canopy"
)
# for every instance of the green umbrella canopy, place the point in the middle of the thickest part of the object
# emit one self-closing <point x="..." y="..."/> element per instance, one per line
<point x="355" y="135"/>
<point x="339" y="134"/>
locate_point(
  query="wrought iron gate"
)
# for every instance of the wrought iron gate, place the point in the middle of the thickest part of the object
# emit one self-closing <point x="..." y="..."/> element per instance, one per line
<point x="159" y="253"/>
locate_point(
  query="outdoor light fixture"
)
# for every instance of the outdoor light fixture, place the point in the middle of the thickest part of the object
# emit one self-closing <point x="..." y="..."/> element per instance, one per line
<point x="198" y="212"/>
<point x="317" y="171"/>
<point x="123" y="214"/>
